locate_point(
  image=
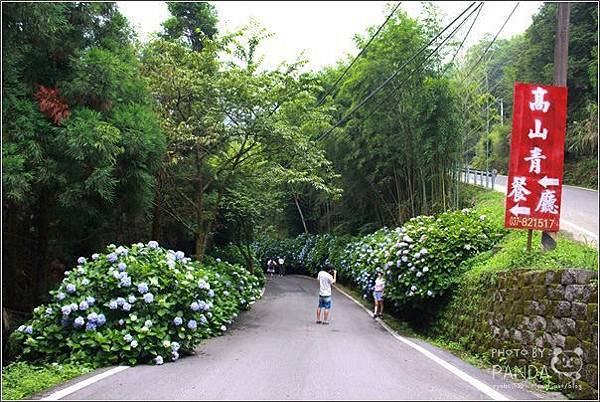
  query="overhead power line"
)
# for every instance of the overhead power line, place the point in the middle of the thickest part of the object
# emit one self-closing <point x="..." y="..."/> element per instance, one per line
<point x="332" y="88"/>
<point x="410" y="75"/>
<point x="492" y="42"/>
<point x="391" y="77"/>
<point x="465" y="38"/>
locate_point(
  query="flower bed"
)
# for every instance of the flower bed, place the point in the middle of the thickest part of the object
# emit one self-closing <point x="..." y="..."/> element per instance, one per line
<point x="420" y="260"/>
<point x="135" y="305"/>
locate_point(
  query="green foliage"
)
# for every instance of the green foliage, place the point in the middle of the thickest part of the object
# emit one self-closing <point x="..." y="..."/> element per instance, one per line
<point x="191" y="22"/>
<point x="420" y="260"/>
<point x="583" y="173"/>
<point x="21" y="379"/>
<point x="396" y="154"/>
<point x="135" y="305"/>
<point x="529" y="57"/>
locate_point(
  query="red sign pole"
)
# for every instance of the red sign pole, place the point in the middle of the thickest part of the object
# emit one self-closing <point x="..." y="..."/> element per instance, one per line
<point x="534" y="188"/>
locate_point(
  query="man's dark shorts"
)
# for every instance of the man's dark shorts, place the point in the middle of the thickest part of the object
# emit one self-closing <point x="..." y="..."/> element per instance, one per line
<point x="325" y="302"/>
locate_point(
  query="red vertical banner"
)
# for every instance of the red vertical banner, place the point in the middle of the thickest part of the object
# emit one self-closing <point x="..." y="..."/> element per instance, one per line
<point x="534" y="187"/>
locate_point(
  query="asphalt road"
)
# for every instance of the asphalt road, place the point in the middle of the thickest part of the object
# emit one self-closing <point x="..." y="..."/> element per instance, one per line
<point x="276" y="351"/>
<point x="579" y="214"/>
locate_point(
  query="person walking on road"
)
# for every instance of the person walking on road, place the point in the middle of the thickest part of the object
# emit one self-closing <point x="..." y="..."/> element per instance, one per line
<point x="326" y="279"/>
<point x="281" y="266"/>
<point x="270" y="267"/>
<point x="378" y="295"/>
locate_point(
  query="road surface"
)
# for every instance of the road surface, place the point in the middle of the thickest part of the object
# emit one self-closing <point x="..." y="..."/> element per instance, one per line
<point x="579" y="214"/>
<point x="276" y="351"/>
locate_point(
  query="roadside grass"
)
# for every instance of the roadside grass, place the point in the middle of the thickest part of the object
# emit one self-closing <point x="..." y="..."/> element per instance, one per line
<point x="21" y="379"/>
<point x="510" y="252"/>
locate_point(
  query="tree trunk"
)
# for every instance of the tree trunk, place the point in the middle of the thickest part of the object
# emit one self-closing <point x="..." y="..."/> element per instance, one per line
<point x="301" y="214"/>
<point x="157" y="213"/>
<point x="43" y="227"/>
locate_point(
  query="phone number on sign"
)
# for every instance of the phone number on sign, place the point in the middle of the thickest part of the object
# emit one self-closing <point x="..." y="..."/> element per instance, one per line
<point x="532" y="223"/>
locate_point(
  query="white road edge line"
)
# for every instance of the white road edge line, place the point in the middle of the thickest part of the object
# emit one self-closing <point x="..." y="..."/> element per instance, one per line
<point x="486" y="389"/>
<point x="80" y="385"/>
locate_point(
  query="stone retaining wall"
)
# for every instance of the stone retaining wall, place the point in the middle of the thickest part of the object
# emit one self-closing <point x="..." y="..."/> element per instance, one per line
<point x="542" y="322"/>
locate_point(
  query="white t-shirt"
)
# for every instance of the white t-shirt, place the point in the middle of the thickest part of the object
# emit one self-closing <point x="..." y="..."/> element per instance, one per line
<point x="281" y="261"/>
<point x="379" y="284"/>
<point x="325" y="281"/>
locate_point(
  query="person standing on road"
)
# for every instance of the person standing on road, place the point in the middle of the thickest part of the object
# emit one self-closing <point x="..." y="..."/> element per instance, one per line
<point x="326" y="279"/>
<point x="270" y="267"/>
<point x="378" y="295"/>
<point x="281" y="266"/>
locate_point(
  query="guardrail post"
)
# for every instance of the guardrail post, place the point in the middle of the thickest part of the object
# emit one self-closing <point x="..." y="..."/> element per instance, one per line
<point x="494" y="173"/>
<point x="468" y="174"/>
<point x="487" y="178"/>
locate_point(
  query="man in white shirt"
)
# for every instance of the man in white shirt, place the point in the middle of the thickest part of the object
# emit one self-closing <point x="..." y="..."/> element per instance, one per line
<point x="281" y="266"/>
<point x="325" y="281"/>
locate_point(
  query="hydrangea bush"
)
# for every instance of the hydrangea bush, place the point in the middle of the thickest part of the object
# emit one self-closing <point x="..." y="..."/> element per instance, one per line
<point x="419" y="260"/>
<point x="135" y="305"/>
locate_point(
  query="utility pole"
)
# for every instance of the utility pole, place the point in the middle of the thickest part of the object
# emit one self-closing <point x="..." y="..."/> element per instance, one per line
<point x="561" y="58"/>
<point x="487" y="128"/>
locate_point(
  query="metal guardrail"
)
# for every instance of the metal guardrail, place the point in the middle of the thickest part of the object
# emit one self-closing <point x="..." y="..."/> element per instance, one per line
<point x="489" y="175"/>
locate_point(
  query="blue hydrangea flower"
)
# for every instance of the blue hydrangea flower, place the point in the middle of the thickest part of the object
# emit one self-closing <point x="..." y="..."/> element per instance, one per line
<point x="128" y="338"/>
<point x="148" y="323"/>
<point x="142" y="288"/>
<point x="175" y="346"/>
<point x="223" y="328"/>
<point x="60" y="296"/>
<point x="211" y="293"/>
<point x="122" y="266"/>
<point x="120" y="301"/>
<point x="180" y="255"/>
<point x="81" y="261"/>
<point x="192" y="325"/>
<point x="203" y="320"/>
<point x="90" y="300"/>
<point x="122" y="250"/>
<point x="83" y="306"/>
<point x="126" y="306"/>
<point x="28" y="329"/>
<point x="90" y="326"/>
<point x="158" y="360"/>
<point x="195" y="306"/>
<point x="66" y="310"/>
<point x="131" y="299"/>
<point x="218" y="260"/>
<point x="112" y="305"/>
<point x="93" y="317"/>
<point x="79" y="321"/>
<point x="126" y="281"/>
<point x="21" y="328"/>
<point x="95" y="256"/>
<point x="49" y="311"/>
<point x="153" y="244"/>
<point x="121" y="322"/>
<point x="85" y="282"/>
<point x="101" y="319"/>
<point x="112" y="257"/>
<point x="174" y="355"/>
<point x="71" y="288"/>
<point x="178" y="321"/>
<point x="226" y="293"/>
<point x="171" y="264"/>
<point x="148" y="297"/>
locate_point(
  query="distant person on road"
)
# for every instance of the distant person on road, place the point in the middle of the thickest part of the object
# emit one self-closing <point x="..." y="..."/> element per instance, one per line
<point x="281" y="266"/>
<point x="270" y="267"/>
<point x="378" y="295"/>
<point x="326" y="278"/>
